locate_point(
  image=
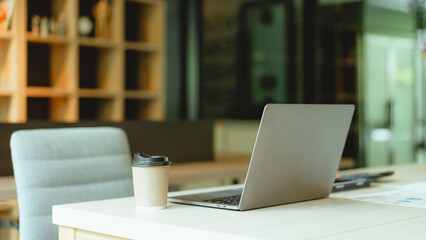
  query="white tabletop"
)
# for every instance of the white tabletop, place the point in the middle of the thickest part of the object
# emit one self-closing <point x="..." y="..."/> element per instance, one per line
<point x="330" y="218"/>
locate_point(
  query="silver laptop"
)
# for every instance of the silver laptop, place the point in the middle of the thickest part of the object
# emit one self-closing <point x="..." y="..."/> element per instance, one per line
<point x="295" y="158"/>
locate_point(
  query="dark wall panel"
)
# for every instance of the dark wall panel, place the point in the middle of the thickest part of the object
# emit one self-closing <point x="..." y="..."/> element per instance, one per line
<point x="180" y="141"/>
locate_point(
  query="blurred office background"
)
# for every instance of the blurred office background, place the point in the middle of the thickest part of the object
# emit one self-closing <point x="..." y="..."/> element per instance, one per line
<point x="242" y="54"/>
<point x="224" y="59"/>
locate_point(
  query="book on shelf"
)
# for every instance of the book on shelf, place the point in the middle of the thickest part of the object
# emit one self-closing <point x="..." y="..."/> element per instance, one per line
<point x="6" y="13"/>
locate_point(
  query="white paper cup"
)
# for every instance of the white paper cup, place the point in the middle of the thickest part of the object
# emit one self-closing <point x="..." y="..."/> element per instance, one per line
<point x="150" y="181"/>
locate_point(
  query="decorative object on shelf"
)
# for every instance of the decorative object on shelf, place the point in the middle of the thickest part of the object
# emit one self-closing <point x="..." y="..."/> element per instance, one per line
<point x="44" y="27"/>
<point x="6" y="13"/>
<point x="85" y="26"/>
<point x="53" y="26"/>
<point x="102" y="12"/>
<point x="3" y="18"/>
<point x="61" y="25"/>
<point x="35" y="25"/>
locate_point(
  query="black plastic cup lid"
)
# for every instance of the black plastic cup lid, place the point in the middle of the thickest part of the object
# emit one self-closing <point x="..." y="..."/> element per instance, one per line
<point x="146" y="160"/>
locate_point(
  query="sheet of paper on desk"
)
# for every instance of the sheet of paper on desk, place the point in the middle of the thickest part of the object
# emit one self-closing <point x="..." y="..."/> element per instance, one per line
<point x="412" y="195"/>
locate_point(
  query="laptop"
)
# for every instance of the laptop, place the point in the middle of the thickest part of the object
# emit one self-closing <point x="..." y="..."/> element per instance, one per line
<point x="295" y="158"/>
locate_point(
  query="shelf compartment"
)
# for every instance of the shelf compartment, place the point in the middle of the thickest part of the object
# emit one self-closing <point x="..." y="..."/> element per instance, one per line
<point x="348" y="62"/>
<point x="48" y="65"/>
<point x="327" y="43"/>
<point x="328" y="80"/>
<point x="97" y="93"/>
<point x="6" y="61"/>
<point x="349" y="77"/>
<point x="135" y="94"/>
<point x="98" y="68"/>
<point x="115" y="27"/>
<point x="39" y="65"/>
<point x="347" y="44"/>
<point x="38" y="108"/>
<point x="346" y="98"/>
<point x="104" y="109"/>
<point x="50" y="109"/>
<point x="97" y="42"/>
<point x="40" y="8"/>
<point x="144" y="21"/>
<point x="85" y="9"/>
<point x="50" y="9"/>
<point x="136" y="109"/>
<point x="142" y="71"/>
<point x="40" y="92"/>
<point x="143" y="109"/>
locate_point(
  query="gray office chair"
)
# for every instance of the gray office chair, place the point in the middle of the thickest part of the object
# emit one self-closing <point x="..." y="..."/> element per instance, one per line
<point x="66" y="165"/>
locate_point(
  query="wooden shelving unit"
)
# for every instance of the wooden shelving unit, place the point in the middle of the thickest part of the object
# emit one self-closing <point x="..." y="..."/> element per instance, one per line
<point x="339" y="58"/>
<point x="71" y="78"/>
<point x="339" y="76"/>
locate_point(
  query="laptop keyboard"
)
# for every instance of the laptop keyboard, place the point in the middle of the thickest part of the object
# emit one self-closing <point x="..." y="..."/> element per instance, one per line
<point x="231" y="200"/>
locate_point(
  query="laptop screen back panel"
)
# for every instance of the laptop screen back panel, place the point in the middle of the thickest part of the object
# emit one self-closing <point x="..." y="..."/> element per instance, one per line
<point x="296" y="154"/>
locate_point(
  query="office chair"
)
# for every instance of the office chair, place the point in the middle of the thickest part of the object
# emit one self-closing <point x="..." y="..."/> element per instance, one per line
<point x="66" y="165"/>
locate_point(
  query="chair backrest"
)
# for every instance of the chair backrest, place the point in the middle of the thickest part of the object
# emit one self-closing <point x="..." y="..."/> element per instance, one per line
<point x="66" y="165"/>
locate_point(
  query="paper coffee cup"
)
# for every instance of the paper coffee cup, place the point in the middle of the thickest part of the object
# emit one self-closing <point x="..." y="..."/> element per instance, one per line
<point x="150" y="180"/>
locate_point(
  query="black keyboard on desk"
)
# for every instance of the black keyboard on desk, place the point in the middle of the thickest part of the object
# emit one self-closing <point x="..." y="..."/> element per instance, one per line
<point x="231" y="200"/>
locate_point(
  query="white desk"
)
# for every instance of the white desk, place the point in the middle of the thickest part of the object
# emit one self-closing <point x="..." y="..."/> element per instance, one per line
<point x="330" y="218"/>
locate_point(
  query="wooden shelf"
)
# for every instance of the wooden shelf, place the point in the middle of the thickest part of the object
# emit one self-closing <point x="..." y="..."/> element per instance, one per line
<point x="97" y="93"/>
<point x="97" y="42"/>
<point x="143" y="47"/>
<point x="5" y="92"/>
<point x="48" y="39"/>
<point x="42" y="92"/>
<point x="339" y="54"/>
<point x="6" y="35"/>
<point x="135" y="94"/>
